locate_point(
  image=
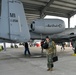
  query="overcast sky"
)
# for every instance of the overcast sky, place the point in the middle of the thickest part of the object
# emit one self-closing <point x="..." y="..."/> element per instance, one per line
<point x="72" y="20"/>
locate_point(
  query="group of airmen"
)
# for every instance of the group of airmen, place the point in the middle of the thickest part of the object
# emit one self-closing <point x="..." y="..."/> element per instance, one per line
<point x="50" y="51"/>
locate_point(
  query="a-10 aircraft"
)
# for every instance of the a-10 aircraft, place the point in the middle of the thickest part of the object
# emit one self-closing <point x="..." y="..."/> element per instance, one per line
<point x="54" y="28"/>
<point x="14" y="28"/>
<point x="13" y="25"/>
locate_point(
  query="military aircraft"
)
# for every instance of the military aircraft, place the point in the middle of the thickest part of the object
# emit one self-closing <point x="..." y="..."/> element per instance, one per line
<point x="54" y="28"/>
<point x="14" y="28"/>
<point x="13" y="24"/>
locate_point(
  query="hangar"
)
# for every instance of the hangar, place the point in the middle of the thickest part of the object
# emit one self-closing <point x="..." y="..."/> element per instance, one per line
<point x="36" y="9"/>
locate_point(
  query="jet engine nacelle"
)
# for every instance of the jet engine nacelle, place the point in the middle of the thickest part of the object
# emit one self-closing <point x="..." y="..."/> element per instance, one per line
<point x="47" y="26"/>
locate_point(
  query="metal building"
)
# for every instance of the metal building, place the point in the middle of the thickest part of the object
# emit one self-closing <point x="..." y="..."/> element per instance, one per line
<point x="40" y="8"/>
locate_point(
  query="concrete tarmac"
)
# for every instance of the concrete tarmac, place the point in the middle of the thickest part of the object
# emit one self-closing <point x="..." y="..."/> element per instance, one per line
<point x="14" y="62"/>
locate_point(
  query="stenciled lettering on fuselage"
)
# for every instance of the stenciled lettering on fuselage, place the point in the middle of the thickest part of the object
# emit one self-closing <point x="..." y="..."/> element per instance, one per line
<point x="13" y="16"/>
<point x="13" y="1"/>
<point x="54" y="25"/>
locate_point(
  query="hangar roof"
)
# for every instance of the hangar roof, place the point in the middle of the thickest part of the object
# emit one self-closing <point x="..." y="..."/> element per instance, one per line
<point x="40" y="8"/>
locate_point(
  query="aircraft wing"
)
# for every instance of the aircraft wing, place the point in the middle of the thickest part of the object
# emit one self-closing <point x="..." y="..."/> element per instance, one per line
<point x="65" y="36"/>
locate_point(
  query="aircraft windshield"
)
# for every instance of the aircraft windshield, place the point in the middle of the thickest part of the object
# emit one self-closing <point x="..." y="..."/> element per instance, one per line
<point x="0" y="7"/>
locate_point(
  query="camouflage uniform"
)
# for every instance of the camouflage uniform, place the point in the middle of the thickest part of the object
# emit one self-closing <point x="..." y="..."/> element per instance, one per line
<point x="50" y="53"/>
<point x="74" y="45"/>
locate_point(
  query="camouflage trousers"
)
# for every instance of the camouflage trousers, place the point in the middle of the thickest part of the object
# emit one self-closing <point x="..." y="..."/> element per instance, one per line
<point x="49" y="60"/>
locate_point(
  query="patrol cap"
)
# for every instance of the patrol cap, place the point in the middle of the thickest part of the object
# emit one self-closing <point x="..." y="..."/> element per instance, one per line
<point x="47" y="36"/>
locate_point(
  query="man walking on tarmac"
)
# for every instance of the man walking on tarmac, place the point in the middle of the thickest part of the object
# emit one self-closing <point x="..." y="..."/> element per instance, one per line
<point x="50" y="53"/>
<point x="62" y="47"/>
<point x="42" y="42"/>
<point x="26" y="48"/>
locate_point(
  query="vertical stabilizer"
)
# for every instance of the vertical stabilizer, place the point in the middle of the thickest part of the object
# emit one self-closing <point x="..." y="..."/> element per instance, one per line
<point x="13" y="21"/>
